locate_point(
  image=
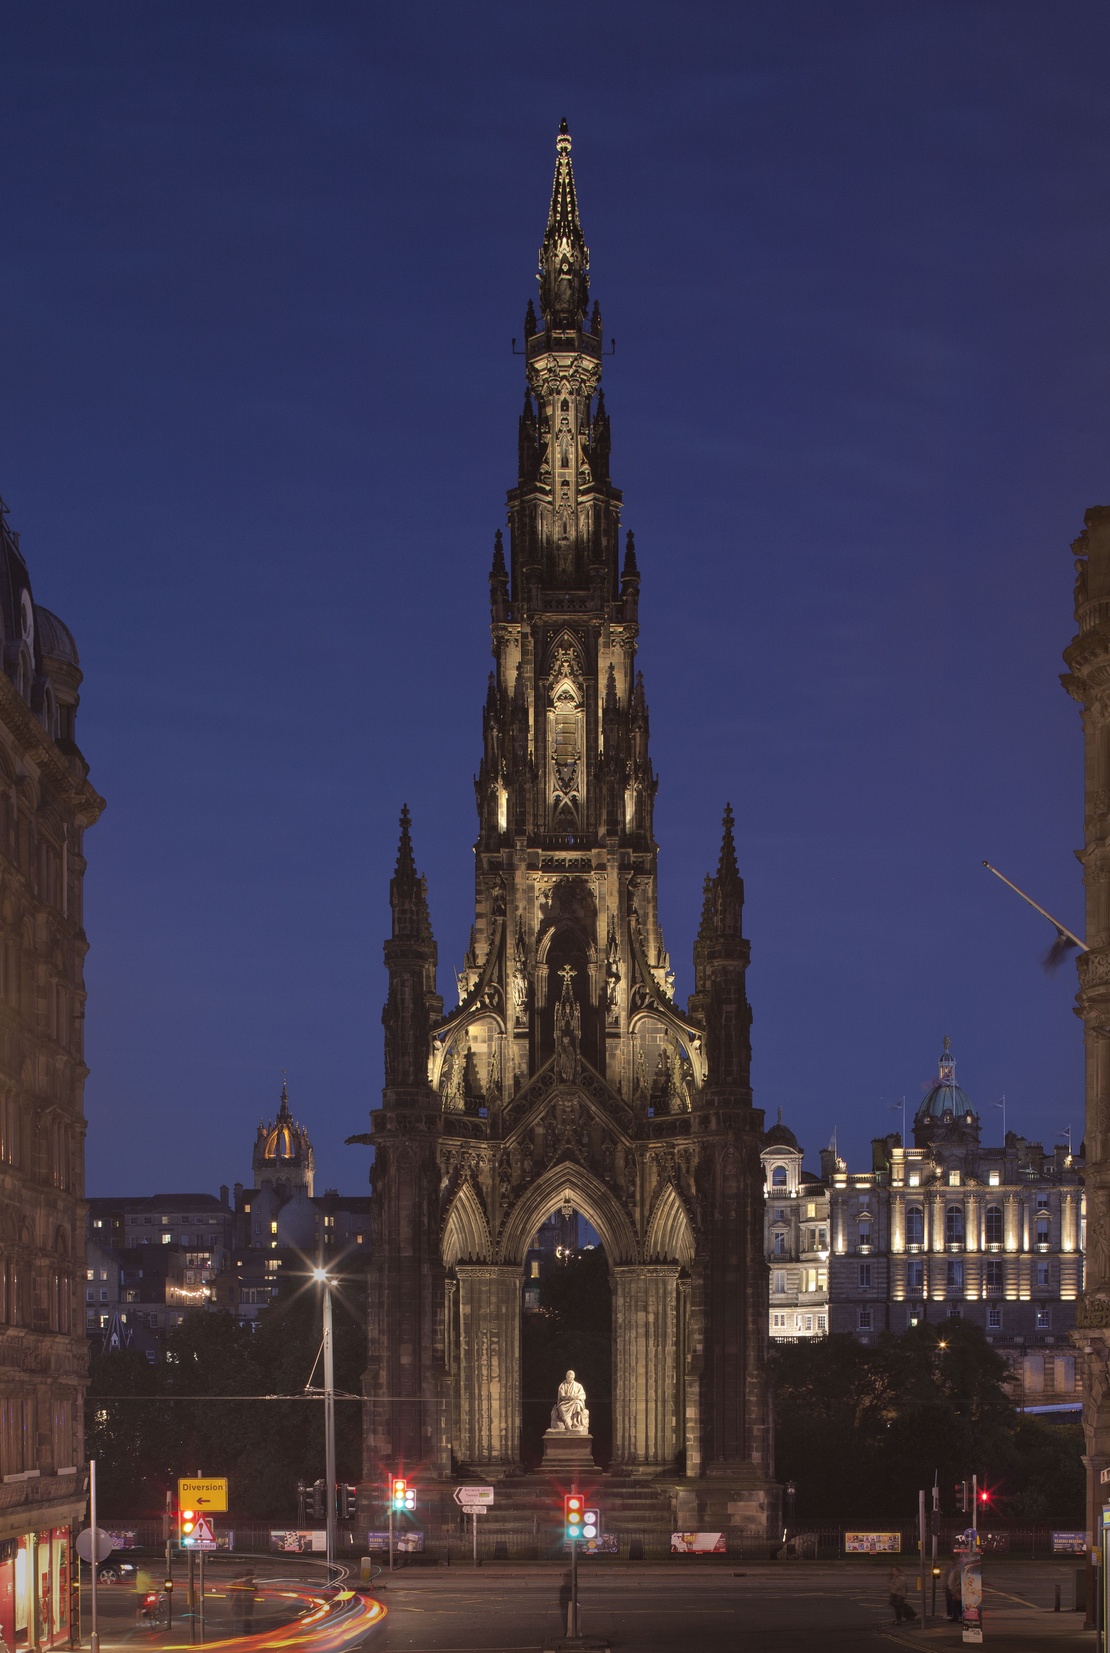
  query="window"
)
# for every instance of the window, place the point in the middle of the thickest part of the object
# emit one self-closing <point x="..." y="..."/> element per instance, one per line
<point x="953" y="1178"/>
<point x="1043" y="1275"/>
<point x="811" y="1208"/>
<point x="809" y="1328"/>
<point x="778" y="1177"/>
<point x="535" y="1276"/>
<point x="90" y="1274"/>
<point x="865" y="1276"/>
<point x="915" y="1225"/>
<point x="915" y="1274"/>
<point x="993" y="1179"/>
<point x="780" y="1213"/>
<point x="822" y="1239"/>
<point x="955" y="1276"/>
<point x="954" y="1311"/>
<point x="778" y="1322"/>
<point x="1044" y="1318"/>
<point x="780" y="1243"/>
<point x="954" y="1225"/>
<point x="103" y="1294"/>
<point x="993" y="1224"/>
<point x="167" y="1239"/>
<point x="994" y="1318"/>
<point x="914" y="1179"/>
<point x="273" y="1228"/>
<point x="820" y="1322"/>
<point x="863" y="1320"/>
<point x="865" y="1231"/>
<point x="1042" y="1228"/>
<point x="779" y="1283"/>
<point x="992" y="1275"/>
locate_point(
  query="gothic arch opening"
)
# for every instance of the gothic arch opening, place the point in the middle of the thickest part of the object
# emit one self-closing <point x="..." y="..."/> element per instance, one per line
<point x="566" y="1324"/>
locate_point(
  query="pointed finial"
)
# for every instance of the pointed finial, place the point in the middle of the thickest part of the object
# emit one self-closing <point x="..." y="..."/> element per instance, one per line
<point x="947" y="1043"/>
<point x="283" y="1110"/>
<point x="727" y="866"/>
<point x="780" y="1116"/>
<point x="631" y="570"/>
<point x="564" y="258"/>
<point x="611" y="690"/>
<point x="498" y="571"/>
<point x="406" y="864"/>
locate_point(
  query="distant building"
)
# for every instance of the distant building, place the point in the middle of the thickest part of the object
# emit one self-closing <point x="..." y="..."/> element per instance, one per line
<point x="796" y="1233"/>
<point x="46" y="804"/>
<point x="160" y="1255"/>
<point x="951" y="1229"/>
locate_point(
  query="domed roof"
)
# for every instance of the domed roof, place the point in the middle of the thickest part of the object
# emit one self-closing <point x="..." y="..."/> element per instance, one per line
<point x="282" y="1142"/>
<point x="54" y="636"/>
<point x="945" y="1096"/>
<point x="781" y="1136"/>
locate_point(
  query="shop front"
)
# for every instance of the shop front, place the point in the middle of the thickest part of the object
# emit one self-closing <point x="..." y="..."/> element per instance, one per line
<point x="34" y="1589"/>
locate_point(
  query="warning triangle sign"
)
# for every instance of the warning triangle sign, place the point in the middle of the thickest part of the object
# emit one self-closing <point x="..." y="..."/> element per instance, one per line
<point x="203" y="1536"/>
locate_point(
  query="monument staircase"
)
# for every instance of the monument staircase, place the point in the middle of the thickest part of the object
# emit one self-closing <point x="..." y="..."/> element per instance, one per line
<point x="528" y="1510"/>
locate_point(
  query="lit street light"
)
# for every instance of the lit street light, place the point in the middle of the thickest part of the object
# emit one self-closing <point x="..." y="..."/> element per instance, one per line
<point x="322" y="1277"/>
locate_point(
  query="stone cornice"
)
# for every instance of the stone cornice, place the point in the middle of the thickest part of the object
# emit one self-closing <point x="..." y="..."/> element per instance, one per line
<point x="84" y="802"/>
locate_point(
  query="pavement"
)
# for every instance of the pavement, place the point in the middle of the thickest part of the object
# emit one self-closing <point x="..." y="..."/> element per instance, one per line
<point x="803" y="1607"/>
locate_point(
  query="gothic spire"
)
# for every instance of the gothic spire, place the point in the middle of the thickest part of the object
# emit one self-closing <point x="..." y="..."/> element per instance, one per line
<point x="564" y="272"/>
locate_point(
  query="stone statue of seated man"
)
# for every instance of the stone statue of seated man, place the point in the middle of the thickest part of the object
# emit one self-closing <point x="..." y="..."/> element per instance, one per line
<point x="569" y="1412"/>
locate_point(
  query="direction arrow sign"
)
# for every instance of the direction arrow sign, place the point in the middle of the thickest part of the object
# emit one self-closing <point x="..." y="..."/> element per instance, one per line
<point x="473" y="1497"/>
<point x="201" y="1494"/>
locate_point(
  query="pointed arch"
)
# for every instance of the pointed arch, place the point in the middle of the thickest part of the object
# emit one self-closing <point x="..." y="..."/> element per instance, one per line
<point x="590" y="1196"/>
<point x="466" y="1237"/>
<point x="670" y="1235"/>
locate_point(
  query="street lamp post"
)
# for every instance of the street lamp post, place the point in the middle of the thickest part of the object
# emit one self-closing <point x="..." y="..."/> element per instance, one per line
<point x="321" y="1275"/>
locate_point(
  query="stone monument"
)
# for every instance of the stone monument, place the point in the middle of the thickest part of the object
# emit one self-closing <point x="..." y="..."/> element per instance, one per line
<point x="567" y="1442"/>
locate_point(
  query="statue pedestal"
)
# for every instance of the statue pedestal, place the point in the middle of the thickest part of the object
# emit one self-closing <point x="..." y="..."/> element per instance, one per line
<point x="565" y="1451"/>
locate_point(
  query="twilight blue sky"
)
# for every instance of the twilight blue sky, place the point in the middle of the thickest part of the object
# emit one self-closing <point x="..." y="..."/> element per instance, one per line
<point x="260" y="265"/>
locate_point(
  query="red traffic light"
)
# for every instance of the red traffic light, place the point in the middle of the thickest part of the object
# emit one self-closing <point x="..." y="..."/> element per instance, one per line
<point x="984" y="1497"/>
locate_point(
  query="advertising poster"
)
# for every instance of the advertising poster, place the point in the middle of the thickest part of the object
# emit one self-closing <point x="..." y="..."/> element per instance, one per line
<point x="697" y="1543"/>
<point x="604" y="1544"/>
<point x="299" y="1543"/>
<point x="971" y="1596"/>
<point x="872" y="1543"/>
<point x="1069" y="1543"/>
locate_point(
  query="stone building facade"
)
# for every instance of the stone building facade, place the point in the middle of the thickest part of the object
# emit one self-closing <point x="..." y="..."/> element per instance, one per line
<point x="796" y="1240"/>
<point x="954" y="1228"/>
<point x="1087" y="680"/>
<point x="46" y="804"/>
<point x="568" y="1074"/>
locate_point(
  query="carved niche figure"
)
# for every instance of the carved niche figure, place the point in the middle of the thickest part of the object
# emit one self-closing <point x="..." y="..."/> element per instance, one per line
<point x="568" y="1032"/>
<point x="569" y="1415"/>
<point x="520" y="980"/>
<point x="612" y="971"/>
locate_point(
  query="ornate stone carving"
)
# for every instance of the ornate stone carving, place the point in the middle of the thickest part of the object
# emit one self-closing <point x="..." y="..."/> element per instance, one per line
<point x="569" y="1415"/>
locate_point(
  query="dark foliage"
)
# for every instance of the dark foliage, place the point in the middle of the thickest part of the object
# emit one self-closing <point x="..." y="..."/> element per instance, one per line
<point x="163" y="1427"/>
<point x="861" y="1429"/>
<point x="572" y="1328"/>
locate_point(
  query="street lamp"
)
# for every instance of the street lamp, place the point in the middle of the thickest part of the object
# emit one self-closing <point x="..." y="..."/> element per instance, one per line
<point x="321" y="1276"/>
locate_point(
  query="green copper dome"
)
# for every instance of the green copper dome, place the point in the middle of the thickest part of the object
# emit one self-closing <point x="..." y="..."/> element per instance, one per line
<point x="945" y="1096"/>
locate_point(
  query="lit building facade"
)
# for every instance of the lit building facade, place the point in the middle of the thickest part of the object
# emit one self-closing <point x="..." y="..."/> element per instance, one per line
<point x="46" y="804"/>
<point x="796" y="1236"/>
<point x="953" y="1229"/>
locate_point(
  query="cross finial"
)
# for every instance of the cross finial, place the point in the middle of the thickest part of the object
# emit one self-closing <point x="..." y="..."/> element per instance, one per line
<point x="568" y="974"/>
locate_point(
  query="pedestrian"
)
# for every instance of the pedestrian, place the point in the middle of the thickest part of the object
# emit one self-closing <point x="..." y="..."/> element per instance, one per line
<point x="896" y="1584"/>
<point x="953" y="1590"/>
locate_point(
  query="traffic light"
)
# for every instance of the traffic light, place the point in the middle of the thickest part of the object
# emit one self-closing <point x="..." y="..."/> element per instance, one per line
<point x="319" y="1500"/>
<point x="573" y="1511"/>
<point x="591" y="1524"/>
<point x="186" y="1528"/>
<point x="962" y="1498"/>
<point x="348" y="1501"/>
<point x="404" y="1496"/>
<point x="984" y="1496"/>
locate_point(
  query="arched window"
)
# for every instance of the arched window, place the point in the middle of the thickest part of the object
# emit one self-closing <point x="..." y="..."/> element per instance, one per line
<point x="778" y="1177"/>
<point x="994" y="1224"/>
<point x="954" y="1225"/>
<point x="915" y="1225"/>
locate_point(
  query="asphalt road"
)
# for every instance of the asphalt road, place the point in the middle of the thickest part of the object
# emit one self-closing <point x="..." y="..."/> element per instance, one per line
<point x="777" y="1609"/>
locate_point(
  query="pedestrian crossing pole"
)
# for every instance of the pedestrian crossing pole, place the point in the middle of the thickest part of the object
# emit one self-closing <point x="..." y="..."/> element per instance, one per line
<point x="921" y="1547"/>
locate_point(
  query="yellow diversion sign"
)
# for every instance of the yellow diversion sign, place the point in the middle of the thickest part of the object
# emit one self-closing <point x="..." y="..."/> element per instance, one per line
<point x="200" y="1494"/>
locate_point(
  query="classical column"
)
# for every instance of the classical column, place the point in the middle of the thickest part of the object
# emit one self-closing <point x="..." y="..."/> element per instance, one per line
<point x="489" y="1365"/>
<point x="645" y="1344"/>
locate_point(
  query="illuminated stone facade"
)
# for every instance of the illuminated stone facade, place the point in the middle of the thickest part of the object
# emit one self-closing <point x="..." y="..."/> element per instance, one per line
<point x="568" y="1075"/>
<point x="46" y="803"/>
<point x="951" y="1228"/>
<point x="796" y="1238"/>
